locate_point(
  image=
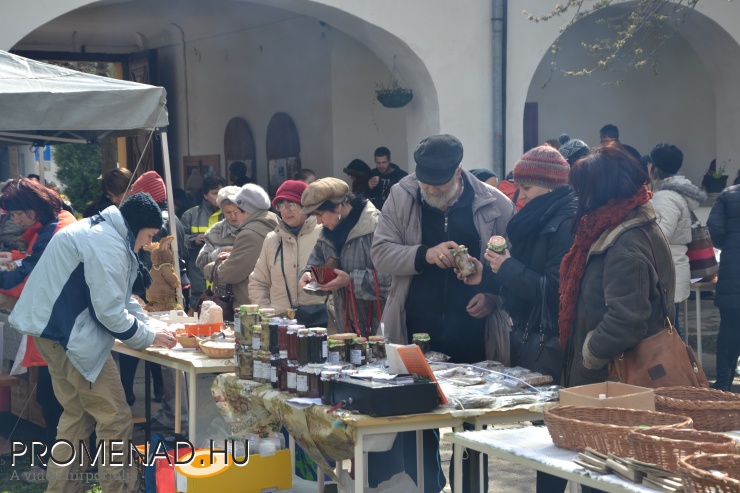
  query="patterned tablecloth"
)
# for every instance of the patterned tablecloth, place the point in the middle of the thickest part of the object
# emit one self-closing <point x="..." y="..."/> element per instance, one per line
<point x="251" y="407"/>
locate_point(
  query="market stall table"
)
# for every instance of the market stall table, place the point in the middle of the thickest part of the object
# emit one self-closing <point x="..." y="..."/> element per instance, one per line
<point x="532" y="447"/>
<point x="250" y="407"/>
<point x="193" y="362"/>
<point x="697" y="288"/>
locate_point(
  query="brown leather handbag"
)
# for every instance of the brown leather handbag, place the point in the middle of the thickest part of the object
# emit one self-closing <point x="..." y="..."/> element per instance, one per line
<point x="661" y="360"/>
<point x="221" y="295"/>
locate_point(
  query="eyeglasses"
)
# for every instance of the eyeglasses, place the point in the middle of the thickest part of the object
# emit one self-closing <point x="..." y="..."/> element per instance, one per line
<point x="291" y="206"/>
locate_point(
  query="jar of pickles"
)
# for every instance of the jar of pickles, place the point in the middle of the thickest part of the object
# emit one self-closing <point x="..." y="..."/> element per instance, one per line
<point x="256" y="367"/>
<point x="421" y="339"/>
<point x="376" y="345"/>
<point x="257" y="337"/>
<point x="244" y="363"/>
<point x="265" y="324"/>
<point x="249" y="317"/>
<point x="337" y="352"/>
<point x="358" y="351"/>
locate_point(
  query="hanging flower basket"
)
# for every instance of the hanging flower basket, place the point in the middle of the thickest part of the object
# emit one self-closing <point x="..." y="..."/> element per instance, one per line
<point x="394" y="97"/>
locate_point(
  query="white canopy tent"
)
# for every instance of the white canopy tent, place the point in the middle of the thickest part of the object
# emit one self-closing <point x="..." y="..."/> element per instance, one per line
<point x="46" y="104"/>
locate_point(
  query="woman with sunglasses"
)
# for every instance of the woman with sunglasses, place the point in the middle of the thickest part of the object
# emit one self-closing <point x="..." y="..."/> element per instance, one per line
<point x="274" y="280"/>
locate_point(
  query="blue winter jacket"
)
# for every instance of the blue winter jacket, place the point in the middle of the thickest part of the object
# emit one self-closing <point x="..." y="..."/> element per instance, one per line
<point x="79" y="294"/>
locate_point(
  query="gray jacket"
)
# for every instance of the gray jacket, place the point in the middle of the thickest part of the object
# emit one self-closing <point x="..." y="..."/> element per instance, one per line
<point x="398" y="237"/>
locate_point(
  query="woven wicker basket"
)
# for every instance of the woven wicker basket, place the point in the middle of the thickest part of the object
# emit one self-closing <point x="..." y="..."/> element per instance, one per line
<point x="711" y="410"/>
<point x="217" y="349"/>
<point x="189" y="342"/>
<point x="704" y="473"/>
<point x="603" y="428"/>
<point x="664" y="446"/>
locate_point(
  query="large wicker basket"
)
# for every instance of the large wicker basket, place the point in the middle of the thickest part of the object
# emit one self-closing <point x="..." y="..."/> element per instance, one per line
<point x="603" y="428"/>
<point x="711" y="410"/>
<point x="710" y="473"/>
<point x="218" y="349"/>
<point x="189" y="341"/>
<point x="664" y="446"/>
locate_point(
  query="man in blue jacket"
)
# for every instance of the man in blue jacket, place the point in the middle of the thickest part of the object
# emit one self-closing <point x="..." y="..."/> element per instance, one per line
<point x="76" y="303"/>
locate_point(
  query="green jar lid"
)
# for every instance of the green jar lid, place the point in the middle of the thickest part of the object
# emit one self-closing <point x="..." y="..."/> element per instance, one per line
<point x="421" y="336"/>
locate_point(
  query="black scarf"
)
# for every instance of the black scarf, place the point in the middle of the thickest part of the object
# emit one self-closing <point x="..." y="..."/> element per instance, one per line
<point x="339" y="235"/>
<point x="526" y="225"/>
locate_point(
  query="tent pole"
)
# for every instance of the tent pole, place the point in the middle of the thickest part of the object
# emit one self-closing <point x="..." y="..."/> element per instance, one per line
<point x="171" y="207"/>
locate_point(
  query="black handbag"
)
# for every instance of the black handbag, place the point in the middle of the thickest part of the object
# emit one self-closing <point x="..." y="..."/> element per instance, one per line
<point x="537" y="347"/>
<point x="308" y="315"/>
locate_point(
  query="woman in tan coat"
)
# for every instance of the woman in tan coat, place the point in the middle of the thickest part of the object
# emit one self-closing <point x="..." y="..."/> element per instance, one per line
<point x="247" y="210"/>
<point x="285" y="252"/>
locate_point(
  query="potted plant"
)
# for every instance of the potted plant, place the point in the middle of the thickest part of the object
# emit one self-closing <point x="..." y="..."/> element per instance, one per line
<point x="392" y="95"/>
<point x="715" y="179"/>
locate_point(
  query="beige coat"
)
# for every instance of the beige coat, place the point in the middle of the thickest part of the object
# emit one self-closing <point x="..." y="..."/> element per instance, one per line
<point x="236" y="268"/>
<point x="266" y="282"/>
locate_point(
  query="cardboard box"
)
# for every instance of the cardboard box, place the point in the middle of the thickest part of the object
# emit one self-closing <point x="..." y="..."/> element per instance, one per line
<point x="617" y="395"/>
<point x="271" y="473"/>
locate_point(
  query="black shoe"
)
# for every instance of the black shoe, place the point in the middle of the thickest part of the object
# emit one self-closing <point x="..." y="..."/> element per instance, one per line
<point x="157" y="398"/>
<point x="130" y="398"/>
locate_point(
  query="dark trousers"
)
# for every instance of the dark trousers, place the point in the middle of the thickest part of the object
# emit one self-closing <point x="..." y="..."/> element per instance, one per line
<point x="127" y="367"/>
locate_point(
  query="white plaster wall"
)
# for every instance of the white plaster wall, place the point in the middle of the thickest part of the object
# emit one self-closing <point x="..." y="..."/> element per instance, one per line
<point x="675" y="105"/>
<point x="713" y="31"/>
<point x="360" y="123"/>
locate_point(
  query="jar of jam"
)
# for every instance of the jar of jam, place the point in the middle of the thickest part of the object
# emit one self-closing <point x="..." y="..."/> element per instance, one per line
<point x="377" y="345"/>
<point x="245" y="365"/>
<point x="327" y="379"/>
<point x="282" y="335"/>
<point x="303" y="346"/>
<point x="292" y="377"/>
<point x="421" y="339"/>
<point x="292" y="342"/>
<point x="257" y="337"/>
<point x="337" y="352"/>
<point x="314" y="347"/>
<point x="497" y="244"/>
<point x="301" y="382"/>
<point x="358" y="351"/>
<point x="313" y="372"/>
<point x="273" y="327"/>
<point x="274" y="365"/>
<point x="283" y="375"/>
<point x="321" y="336"/>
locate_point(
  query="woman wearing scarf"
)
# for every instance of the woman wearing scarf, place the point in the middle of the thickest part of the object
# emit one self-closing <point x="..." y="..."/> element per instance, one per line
<point x="540" y="234"/>
<point x="609" y="295"/>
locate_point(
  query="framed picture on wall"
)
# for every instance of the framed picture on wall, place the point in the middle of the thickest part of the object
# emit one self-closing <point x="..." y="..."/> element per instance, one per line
<point x="195" y="168"/>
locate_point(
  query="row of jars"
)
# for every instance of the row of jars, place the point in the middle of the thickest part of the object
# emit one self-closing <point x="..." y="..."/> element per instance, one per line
<point x="358" y="351"/>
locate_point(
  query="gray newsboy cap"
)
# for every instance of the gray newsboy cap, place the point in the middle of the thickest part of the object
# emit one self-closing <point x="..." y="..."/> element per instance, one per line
<point x="437" y="157"/>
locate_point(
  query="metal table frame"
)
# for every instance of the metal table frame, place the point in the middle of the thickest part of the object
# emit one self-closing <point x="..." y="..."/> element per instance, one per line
<point x="193" y="363"/>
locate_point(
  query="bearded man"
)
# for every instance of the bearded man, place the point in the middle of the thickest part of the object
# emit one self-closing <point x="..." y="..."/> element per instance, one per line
<point x="439" y="208"/>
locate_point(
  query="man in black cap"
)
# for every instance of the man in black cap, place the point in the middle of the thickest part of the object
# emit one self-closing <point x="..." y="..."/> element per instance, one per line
<point x="440" y="208"/>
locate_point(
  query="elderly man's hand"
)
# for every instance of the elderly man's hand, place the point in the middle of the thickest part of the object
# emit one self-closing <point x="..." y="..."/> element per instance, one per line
<point x="306" y="278"/>
<point x="481" y="305"/>
<point x="475" y="279"/>
<point x="441" y="256"/>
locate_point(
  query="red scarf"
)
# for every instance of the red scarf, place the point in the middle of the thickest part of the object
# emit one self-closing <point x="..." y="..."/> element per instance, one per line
<point x="590" y="229"/>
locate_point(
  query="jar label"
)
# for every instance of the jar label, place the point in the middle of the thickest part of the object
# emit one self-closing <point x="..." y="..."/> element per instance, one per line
<point x="257" y="369"/>
<point x="256" y="342"/>
<point x="291" y="380"/>
<point x="265" y="372"/>
<point x="333" y="357"/>
<point x="370" y="358"/>
<point x="325" y="349"/>
<point x="237" y="325"/>
<point x="273" y="374"/>
<point x="355" y="356"/>
<point x="301" y="383"/>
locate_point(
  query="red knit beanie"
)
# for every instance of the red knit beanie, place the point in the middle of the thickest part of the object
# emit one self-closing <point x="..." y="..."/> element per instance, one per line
<point x="151" y="183"/>
<point x="290" y="190"/>
<point x="542" y="166"/>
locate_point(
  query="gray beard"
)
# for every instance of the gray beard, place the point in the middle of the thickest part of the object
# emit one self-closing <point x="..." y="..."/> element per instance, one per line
<point x="441" y="202"/>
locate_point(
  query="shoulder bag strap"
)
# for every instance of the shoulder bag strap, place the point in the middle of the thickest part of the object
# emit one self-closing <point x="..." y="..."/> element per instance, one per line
<point x="282" y="268"/>
<point x="544" y="311"/>
<point x="661" y="287"/>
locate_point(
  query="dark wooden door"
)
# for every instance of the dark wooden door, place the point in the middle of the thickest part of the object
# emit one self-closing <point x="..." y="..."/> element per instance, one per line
<point x="239" y="146"/>
<point x="283" y="151"/>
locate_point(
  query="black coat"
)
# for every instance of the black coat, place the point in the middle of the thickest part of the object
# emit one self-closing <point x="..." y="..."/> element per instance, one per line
<point x="518" y="278"/>
<point x="724" y="226"/>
